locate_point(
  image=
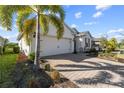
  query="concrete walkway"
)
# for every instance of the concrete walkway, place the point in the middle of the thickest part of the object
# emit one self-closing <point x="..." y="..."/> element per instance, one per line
<point x="89" y="72"/>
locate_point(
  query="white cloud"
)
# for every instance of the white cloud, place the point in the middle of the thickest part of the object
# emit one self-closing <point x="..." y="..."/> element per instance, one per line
<point x="116" y="31"/>
<point x="78" y="15"/>
<point x="118" y="36"/>
<point x="89" y="23"/>
<point x="97" y="14"/>
<point x="74" y="26"/>
<point x="11" y="36"/>
<point x="102" y="7"/>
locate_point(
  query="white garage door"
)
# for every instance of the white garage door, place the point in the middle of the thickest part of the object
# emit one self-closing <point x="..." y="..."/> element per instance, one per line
<point x="52" y="46"/>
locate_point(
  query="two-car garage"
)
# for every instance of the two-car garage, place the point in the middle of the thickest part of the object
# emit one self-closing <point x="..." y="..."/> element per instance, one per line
<point x="50" y="45"/>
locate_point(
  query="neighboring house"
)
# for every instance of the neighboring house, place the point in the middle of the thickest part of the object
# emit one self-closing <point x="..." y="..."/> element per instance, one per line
<point x="1" y="41"/>
<point x="83" y="41"/>
<point x="96" y="43"/>
<point x="50" y="45"/>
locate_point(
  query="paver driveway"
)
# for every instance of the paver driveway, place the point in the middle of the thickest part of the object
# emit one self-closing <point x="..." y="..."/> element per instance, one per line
<point x="89" y="72"/>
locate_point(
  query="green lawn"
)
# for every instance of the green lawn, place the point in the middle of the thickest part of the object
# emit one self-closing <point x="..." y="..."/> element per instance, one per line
<point x="7" y="62"/>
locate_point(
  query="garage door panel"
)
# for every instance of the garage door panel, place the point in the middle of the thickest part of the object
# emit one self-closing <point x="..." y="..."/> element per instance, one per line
<point x="52" y="46"/>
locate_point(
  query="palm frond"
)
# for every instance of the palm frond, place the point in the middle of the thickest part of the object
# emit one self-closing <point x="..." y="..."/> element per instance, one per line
<point x="6" y="17"/>
<point x="22" y="16"/>
<point x="28" y="28"/>
<point x="58" y="24"/>
<point x="57" y="10"/>
<point x="6" y="14"/>
<point x="53" y="9"/>
<point x="44" y="24"/>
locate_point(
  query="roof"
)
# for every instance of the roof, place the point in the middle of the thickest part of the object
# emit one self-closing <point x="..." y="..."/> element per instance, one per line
<point x="1" y="37"/>
<point x="72" y="31"/>
<point x="19" y="36"/>
<point x="97" y="39"/>
<point x="75" y="30"/>
<point x="84" y="34"/>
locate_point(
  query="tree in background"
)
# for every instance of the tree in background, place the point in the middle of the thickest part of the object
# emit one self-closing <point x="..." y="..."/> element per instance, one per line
<point x="109" y="45"/>
<point x="103" y="43"/>
<point x="121" y="44"/>
<point x="112" y="44"/>
<point x="6" y="41"/>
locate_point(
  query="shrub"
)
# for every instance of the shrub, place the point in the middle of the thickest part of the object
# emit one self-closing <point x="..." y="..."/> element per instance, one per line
<point x="93" y="50"/>
<point x="16" y="49"/>
<point x="1" y="50"/>
<point x="47" y="67"/>
<point x="55" y="75"/>
<point x="31" y="56"/>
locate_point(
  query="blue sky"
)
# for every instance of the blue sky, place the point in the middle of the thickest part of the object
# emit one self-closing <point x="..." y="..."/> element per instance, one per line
<point x="99" y="20"/>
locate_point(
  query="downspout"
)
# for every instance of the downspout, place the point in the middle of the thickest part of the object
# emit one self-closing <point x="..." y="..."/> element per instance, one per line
<point x="75" y="51"/>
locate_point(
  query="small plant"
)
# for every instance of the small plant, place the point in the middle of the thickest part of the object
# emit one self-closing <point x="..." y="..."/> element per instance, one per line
<point x="16" y="49"/>
<point x="31" y="56"/>
<point x="33" y="83"/>
<point x="55" y="75"/>
<point x="47" y="67"/>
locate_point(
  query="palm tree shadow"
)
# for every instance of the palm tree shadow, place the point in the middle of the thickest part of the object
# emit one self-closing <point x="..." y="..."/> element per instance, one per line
<point x="103" y="76"/>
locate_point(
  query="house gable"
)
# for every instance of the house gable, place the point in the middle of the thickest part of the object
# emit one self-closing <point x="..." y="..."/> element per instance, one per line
<point x="68" y="32"/>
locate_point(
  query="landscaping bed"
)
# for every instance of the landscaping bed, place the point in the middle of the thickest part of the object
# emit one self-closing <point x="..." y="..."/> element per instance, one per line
<point x="108" y="56"/>
<point x="112" y="57"/>
<point x="64" y="83"/>
<point x="120" y="57"/>
<point x="59" y="80"/>
<point x="26" y="75"/>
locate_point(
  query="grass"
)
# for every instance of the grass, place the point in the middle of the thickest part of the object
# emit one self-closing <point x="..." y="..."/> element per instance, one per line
<point x="120" y="56"/>
<point x="7" y="62"/>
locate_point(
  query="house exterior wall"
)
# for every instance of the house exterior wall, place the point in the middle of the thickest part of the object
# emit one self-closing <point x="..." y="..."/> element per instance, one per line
<point x="50" y="45"/>
<point x="1" y="41"/>
<point x="52" y="32"/>
<point x="24" y="47"/>
<point x="81" y="41"/>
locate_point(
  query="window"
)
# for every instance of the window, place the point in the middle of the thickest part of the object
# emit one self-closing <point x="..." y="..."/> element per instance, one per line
<point x="34" y="35"/>
<point x="86" y="44"/>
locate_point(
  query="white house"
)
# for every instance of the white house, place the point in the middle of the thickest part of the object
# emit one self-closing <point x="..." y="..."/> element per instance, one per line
<point x="83" y="41"/>
<point x="50" y="45"/>
<point x="1" y="41"/>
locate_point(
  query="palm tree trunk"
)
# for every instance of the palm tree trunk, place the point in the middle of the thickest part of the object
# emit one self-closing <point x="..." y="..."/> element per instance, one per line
<point x="37" y="45"/>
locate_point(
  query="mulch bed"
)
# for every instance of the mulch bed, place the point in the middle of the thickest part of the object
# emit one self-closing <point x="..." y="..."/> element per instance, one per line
<point x="108" y="58"/>
<point x="21" y="57"/>
<point x="113" y="59"/>
<point x="64" y="83"/>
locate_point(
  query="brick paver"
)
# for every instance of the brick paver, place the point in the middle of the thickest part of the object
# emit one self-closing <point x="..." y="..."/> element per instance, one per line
<point x="89" y="72"/>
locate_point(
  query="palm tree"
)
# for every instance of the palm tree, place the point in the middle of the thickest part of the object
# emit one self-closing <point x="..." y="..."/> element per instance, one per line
<point x="31" y="18"/>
